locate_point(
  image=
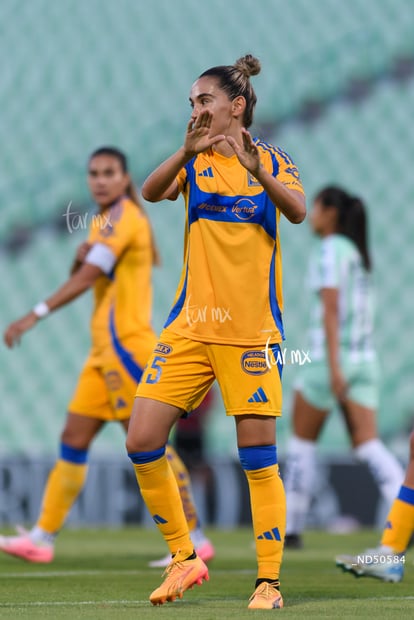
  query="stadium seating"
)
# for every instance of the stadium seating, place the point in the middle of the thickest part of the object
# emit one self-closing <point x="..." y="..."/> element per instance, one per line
<point x="91" y="73"/>
<point x="368" y="148"/>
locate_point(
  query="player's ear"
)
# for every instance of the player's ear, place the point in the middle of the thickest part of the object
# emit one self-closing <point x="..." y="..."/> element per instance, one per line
<point x="238" y="106"/>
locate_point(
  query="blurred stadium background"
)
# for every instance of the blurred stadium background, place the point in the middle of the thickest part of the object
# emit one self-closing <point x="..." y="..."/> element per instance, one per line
<point x="336" y="92"/>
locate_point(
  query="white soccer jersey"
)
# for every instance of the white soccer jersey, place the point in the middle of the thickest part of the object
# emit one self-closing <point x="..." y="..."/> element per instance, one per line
<point x="336" y="263"/>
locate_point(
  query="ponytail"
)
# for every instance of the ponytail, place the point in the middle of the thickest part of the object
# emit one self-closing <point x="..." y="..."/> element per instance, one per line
<point x="352" y="221"/>
<point x="355" y="227"/>
<point x="133" y="194"/>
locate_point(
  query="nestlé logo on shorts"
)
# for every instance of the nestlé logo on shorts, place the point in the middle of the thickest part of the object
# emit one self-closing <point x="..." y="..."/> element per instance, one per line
<point x="254" y="362"/>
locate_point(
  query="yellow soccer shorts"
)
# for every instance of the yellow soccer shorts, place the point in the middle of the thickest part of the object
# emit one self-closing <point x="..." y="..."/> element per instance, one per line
<point x="107" y="386"/>
<point x="180" y="372"/>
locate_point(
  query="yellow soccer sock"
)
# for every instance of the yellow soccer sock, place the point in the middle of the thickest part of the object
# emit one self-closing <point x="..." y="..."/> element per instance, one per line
<point x="400" y="521"/>
<point x="182" y="477"/>
<point x="65" y="482"/>
<point x="268" y="505"/>
<point x="160" y="492"/>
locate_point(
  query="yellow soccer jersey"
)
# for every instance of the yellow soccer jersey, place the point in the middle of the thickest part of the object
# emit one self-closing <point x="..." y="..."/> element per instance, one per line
<point x="122" y="298"/>
<point x="230" y="289"/>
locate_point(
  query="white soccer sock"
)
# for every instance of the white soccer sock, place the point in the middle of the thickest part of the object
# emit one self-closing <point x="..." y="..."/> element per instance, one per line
<point x="298" y="479"/>
<point x="40" y="536"/>
<point x="385" y="468"/>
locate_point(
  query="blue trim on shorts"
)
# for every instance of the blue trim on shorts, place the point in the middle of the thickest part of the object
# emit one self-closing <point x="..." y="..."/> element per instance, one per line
<point x="140" y="458"/>
<point x="73" y="455"/>
<point x="406" y="495"/>
<point x="257" y="457"/>
<point x="125" y="356"/>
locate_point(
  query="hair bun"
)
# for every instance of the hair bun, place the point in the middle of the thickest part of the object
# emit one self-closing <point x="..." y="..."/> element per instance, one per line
<point x="248" y="65"/>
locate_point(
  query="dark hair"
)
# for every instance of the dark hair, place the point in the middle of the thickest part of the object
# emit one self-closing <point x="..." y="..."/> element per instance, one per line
<point x="235" y="81"/>
<point x="131" y="191"/>
<point x="352" y="218"/>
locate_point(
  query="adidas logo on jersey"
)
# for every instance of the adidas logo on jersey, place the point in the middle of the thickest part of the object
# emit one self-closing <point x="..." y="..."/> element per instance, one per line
<point x="208" y="172"/>
<point x="258" y="397"/>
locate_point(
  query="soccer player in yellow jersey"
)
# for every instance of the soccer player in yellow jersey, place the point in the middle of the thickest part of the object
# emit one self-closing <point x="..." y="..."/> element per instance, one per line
<point x="386" y="562"/>
<point x="226" y="321"/>
<point x="116" y="261"/>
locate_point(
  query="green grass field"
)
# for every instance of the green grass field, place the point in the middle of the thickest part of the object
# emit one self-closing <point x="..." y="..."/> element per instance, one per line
<point x="103" y="574"/>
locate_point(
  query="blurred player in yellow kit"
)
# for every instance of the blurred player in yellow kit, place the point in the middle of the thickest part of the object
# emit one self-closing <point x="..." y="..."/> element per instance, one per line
<point x="116" y="262"/>
<point x="226" y="322"/>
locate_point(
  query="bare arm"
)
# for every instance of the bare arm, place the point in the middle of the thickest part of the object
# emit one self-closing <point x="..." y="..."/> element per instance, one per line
<point x="80" y="256"/>
<point x="77" y="284"/>
<point x="289" y="201"/>
<point x="162" y="182"/>
<point x="330" y="298"/>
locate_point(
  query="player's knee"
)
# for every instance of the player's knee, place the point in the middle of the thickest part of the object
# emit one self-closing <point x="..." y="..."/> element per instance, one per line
<point x="257" y="457"/>
<point x="138" y="440"/>
<point x="131" y="445"/>
<point x="74" y="440"/>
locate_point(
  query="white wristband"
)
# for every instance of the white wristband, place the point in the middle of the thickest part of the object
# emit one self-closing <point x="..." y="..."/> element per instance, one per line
<point x="41" y="310"/>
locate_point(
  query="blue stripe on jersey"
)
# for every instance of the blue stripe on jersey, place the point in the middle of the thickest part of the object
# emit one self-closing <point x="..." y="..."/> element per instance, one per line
<point x="177" y="307"/>
<point x="236" y="209"/>
<point x="73" y="455"/>
<point x="273" y="157"/>
<point x="406" y="495"/>
<point x="276" y="150"/>
<point x="191" y="182"/>
<point x="274" y="306"/>
<point x="257" y="457"/>
<point x="256" y="209"/>
<point x="125" y="356"/>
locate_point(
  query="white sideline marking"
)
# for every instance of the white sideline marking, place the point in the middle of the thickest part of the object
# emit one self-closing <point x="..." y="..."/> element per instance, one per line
<point x="72" y="603"/>
<point x="146" y="602"/>
<point x="72" y="573"/>
<point x="97" y="573"/>
<point x="389" y="598"/>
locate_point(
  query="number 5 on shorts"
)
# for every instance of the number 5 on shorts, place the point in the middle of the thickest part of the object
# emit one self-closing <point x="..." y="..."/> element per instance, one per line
<point x="154" y="377"/>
